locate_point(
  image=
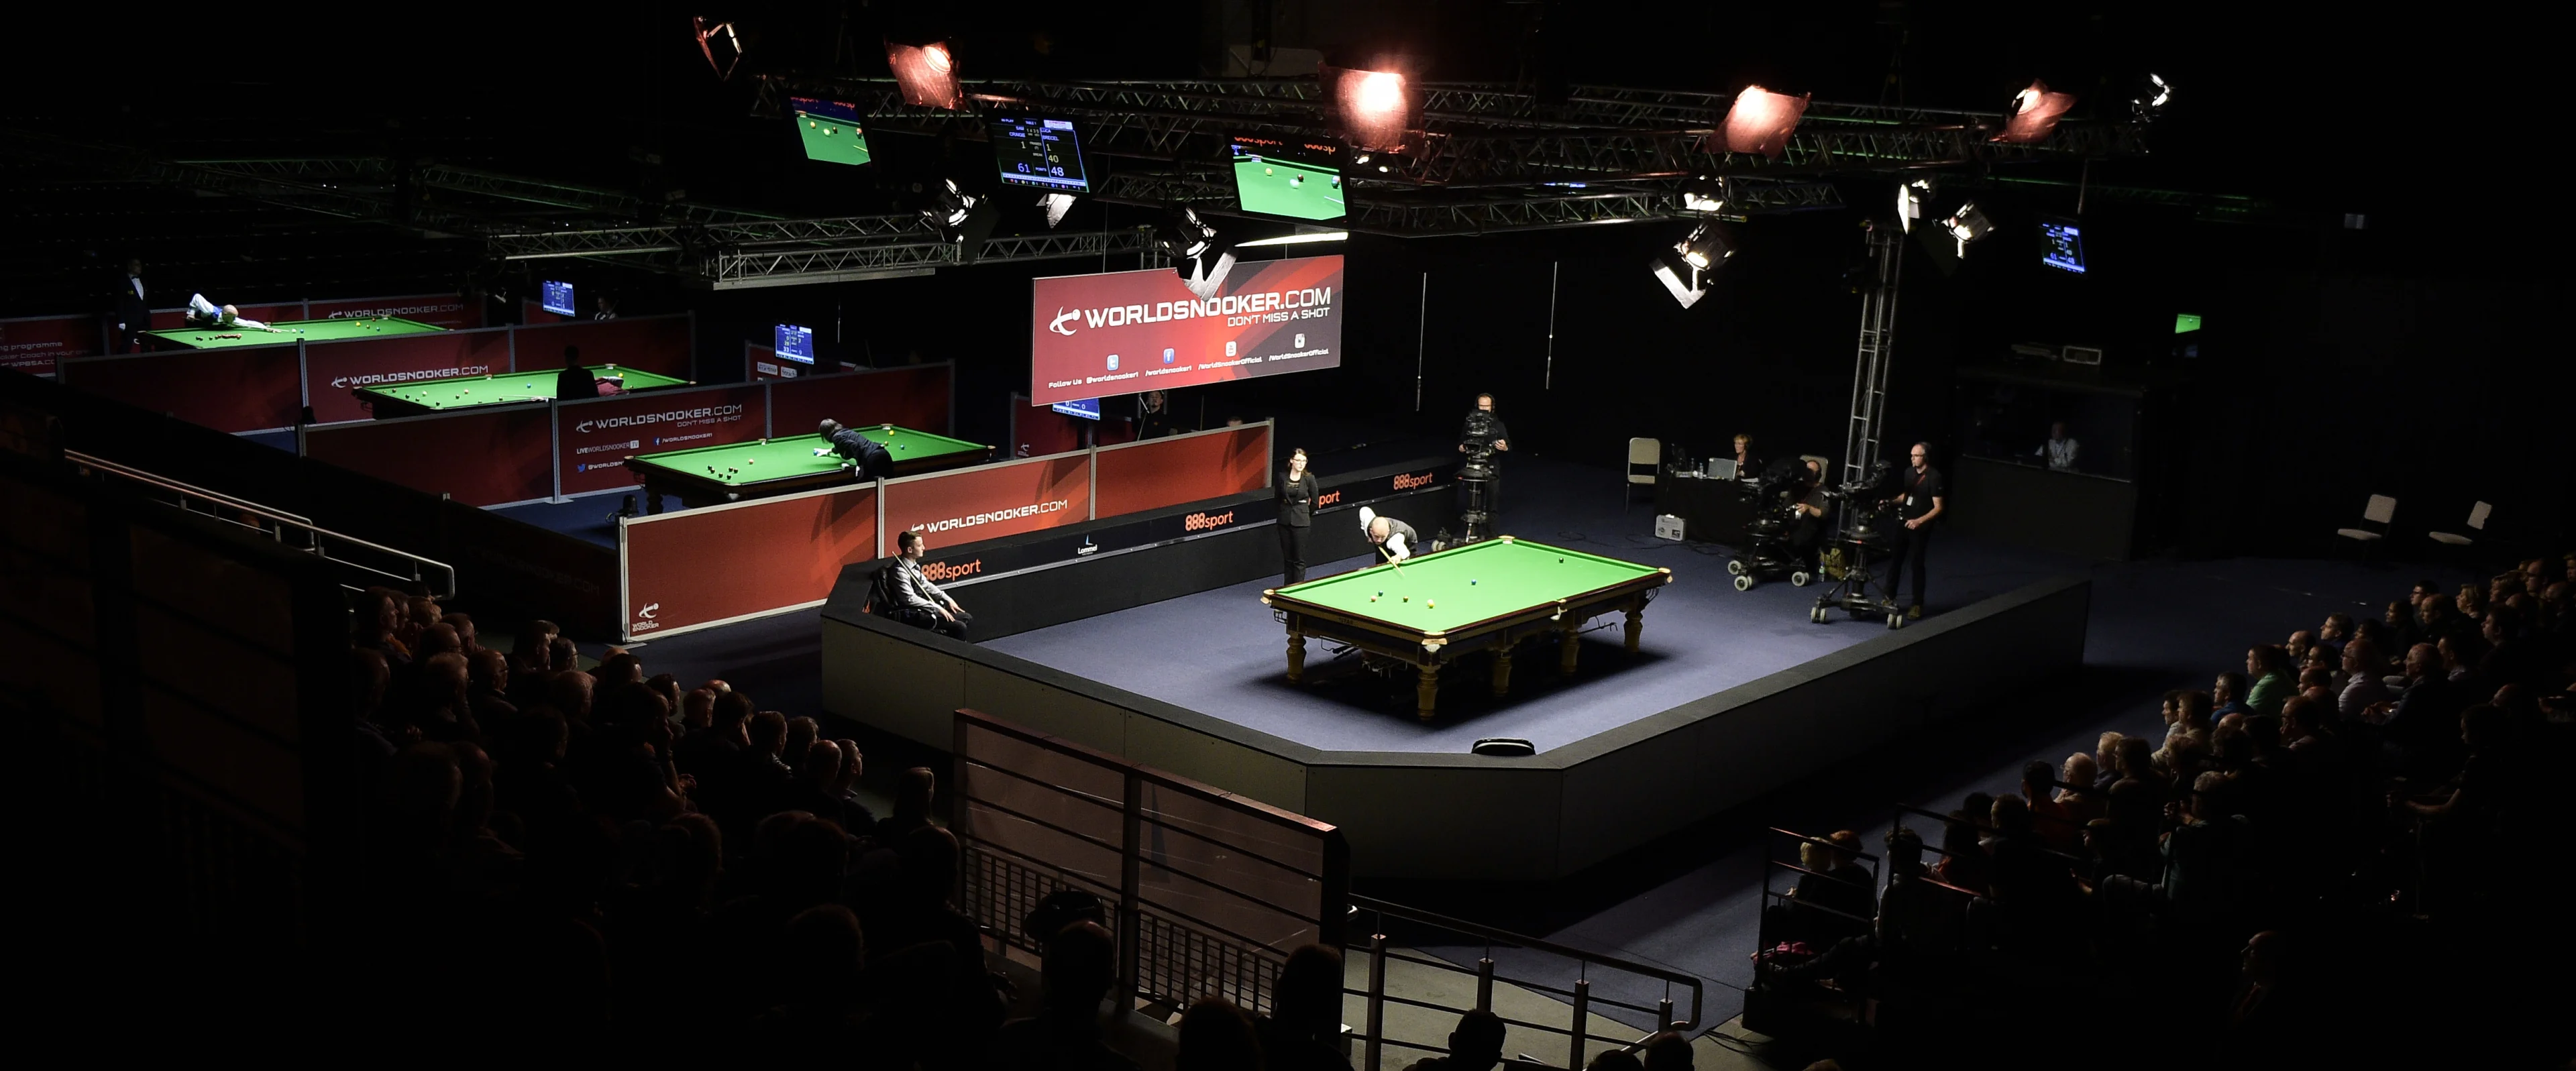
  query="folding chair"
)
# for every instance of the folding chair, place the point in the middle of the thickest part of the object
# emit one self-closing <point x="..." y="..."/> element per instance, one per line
<point x="2378" y="511"/>
<point x="2477" y="523"/>
<point x="1644" y="457"/>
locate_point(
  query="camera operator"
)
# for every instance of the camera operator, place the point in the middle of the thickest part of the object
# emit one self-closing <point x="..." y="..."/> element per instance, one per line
<point x="1919" y="501"/>
<point x="1812" y="502"/>
<point x="1481" y="435"/>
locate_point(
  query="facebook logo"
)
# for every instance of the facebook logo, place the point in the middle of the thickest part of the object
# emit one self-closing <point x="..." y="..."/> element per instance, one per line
<point x="1229" y="347"/>
<point x="1167" y="355"/>
<point x="1113" y="362"/>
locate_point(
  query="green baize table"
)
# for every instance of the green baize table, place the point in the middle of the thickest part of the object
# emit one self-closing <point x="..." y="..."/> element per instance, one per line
<point x="1484" y="597"/>
<point x="714" y="475"/>
<point x="506" y="388"/>
<point x="207" y="338"/>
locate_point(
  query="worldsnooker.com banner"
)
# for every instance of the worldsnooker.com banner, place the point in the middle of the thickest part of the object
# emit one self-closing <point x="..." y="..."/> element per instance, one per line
<point x="1126" y="332"/>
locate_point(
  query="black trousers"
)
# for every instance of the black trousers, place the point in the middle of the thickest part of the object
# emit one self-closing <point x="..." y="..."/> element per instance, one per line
<point x="952" y="628"/>
<point x="1292" y="552"/>
<point x="1911" y="544"/>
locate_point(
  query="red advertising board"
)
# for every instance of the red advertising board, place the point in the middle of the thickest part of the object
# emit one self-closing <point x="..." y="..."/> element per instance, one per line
<point x="707" y="566"/>
<point x="1156" y="473"/>
<point x="34" y="343"/>
<point x="914" y="396"/>
<point x="992" y="501"/>
<point x="450" y="311"/>
<point x="487" y="458"/>
<point x="332" y="370"/>
<point x="1123" y="332"/>
<point x="761" y="362"/>
<point x="274" y="312"/>
<point x="593" y="438"/>
<point x="235" y="389"/>
<point x="652" y="343"/>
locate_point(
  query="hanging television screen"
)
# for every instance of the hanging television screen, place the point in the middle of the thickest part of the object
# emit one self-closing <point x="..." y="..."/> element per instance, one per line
<point x="558" y="299"/>
<point x="1300" y="178"/>
<point x="1086" y="408"/>
<point x="1037" y="151"/>
<point x="830" y="130"/>
<point x="2061" y="244"/>
<point x="794" y="343"/>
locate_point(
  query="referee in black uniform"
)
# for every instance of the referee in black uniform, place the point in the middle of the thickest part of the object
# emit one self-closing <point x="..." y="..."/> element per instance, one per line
<point x="872" y="459"/>
<point x="1918" y="500"/>
<point x="1296" y="517"/>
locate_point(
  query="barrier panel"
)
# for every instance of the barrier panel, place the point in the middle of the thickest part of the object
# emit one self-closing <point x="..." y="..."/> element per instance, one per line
<point x="761" y="362"/>
<point x="652" y="343"/>
<point x="236" y="389"/>
<point x="1155" y="473"/>
<point x="593" y="438"/>
<point x="704" y="567"/>
<point x="490" y="457"/>
<point x="913" y="396"/>
<point x="450" y="311"/>
<point x="332" y="370"/>
<point x="990" y="501"/>
<point x="33" y="344"/>
<point x="269" y="313"/>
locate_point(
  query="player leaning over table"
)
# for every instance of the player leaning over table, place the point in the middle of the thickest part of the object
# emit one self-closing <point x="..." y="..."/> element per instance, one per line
<point x="1393" y="539"/>
<point x="204" y="313"/>
<point x="872" y="459"/>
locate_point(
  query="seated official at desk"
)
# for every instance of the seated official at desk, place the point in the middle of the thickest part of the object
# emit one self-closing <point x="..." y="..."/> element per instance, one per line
<point x="1393" y="539"/>
<point x="2059" y="449"/>
<point x="869" y="456"/>
<point x="1747" y="463"/>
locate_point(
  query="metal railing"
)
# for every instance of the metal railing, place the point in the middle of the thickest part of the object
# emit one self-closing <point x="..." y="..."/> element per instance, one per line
<point x="1578" y="995"/>
<point x="377" y="562"/>
<point x="1209" y="891"/>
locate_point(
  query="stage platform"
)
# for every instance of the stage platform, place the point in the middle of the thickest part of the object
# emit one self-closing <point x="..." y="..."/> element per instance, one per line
<point x="1731" y="694"/>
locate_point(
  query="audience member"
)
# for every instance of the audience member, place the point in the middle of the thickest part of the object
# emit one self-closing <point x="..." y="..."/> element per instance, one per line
<point x="1476" y="1045"/>
<point x="1215" y="1035"/>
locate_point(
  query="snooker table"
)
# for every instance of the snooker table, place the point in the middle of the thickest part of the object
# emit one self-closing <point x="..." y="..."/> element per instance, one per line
<point x="467" y="392"/>
<point x="714" y="475"/>
<point x="1483" y="597"/>
<point x="207" y="338"/>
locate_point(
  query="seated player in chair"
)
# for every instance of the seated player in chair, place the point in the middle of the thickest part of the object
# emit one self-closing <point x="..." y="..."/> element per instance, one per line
<point x="1393" y="539"/>
<point x="915" y="600"/>
<point x="869" y="456"/>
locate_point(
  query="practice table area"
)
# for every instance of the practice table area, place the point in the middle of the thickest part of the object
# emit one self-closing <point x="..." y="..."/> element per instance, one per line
<point x="1483" y="597"/>
<point x="714" y="475"/>
<point x="207" y="338"/>
<point x="467" y="392"/>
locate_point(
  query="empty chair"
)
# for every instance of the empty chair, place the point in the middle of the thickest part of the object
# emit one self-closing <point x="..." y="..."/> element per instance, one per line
<point x="2477" y="523"/>
<point x="1644" y="455"/>
<point x="2378" y="511"/>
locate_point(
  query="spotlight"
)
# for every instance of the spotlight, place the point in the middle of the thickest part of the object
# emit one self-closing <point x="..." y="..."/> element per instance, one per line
<point x="1684" y="269"/>
<point x="2034" y="113"/>
<point x="2150" y="100"/>
<point x="927" y="73"/>
<point x="1968" y="224"/>
<point x="1703" y="194"/>
<point x="1760" y="121"/>
<point x="1204" y="261"/>
<point x="1375" y="107"/>
<point x="1909" y="201"/>
<point x="961" y="218"/>
<point x="716" y="37"/>
<point x="1055" y="205"/>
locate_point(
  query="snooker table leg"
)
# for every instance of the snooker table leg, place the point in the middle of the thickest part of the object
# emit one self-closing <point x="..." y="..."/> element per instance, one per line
<point x="1502" y="670"/>
<point x="1567" y="650"/>
<point x="1426" y="692"/>
<point x="1296" y="655"/>
<point x="1636" y="624"/>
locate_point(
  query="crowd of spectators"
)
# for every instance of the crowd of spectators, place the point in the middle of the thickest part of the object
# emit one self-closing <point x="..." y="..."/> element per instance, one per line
<point x="2355" y="830"/>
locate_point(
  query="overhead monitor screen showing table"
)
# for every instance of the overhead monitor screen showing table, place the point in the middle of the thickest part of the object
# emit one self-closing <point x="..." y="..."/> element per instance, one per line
<point x="1040" y="152"/>
<point x="794" y="343"/>
<point x="558" y="299"/>
<point x="829" y="130"/>
<point x="1298" y="178"/>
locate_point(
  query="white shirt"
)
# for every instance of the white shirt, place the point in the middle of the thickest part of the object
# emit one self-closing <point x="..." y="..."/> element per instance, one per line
<point x="2358" y="696"/>
<point x="2060" y="454"/>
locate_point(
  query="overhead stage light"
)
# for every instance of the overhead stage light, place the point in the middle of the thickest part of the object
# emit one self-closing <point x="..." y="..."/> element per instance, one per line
<point x="1685" y="268"/>
<point x="1968" y="224"/>
<point x="1704" y="194"/>
<point x="1909" y="201"/>
<point x="1203" y="261"/>
<point x="1055" y="205"/>
<point x="1760" y="121"/>
<point x="2034" y="114"/>
<point x="1376" y="108"/>
<point x="1299" y="238"/>
<point x="2150" y="100"/>
<point x="964" y="219"/>
<point x="719" y="38"/>
<point x="927" y="74"/>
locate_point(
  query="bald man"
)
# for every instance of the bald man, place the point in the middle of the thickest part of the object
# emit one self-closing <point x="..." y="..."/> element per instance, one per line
<point x="1393" y="539"/>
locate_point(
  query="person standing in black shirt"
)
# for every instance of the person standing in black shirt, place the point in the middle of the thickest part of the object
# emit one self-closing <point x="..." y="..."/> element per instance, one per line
<point x="1296" y="516"/>
<point x="869" y="456"/>
<point x="575" y="381"/>
<point x="1919" y="502"/>
<point x="133" y="313"/>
